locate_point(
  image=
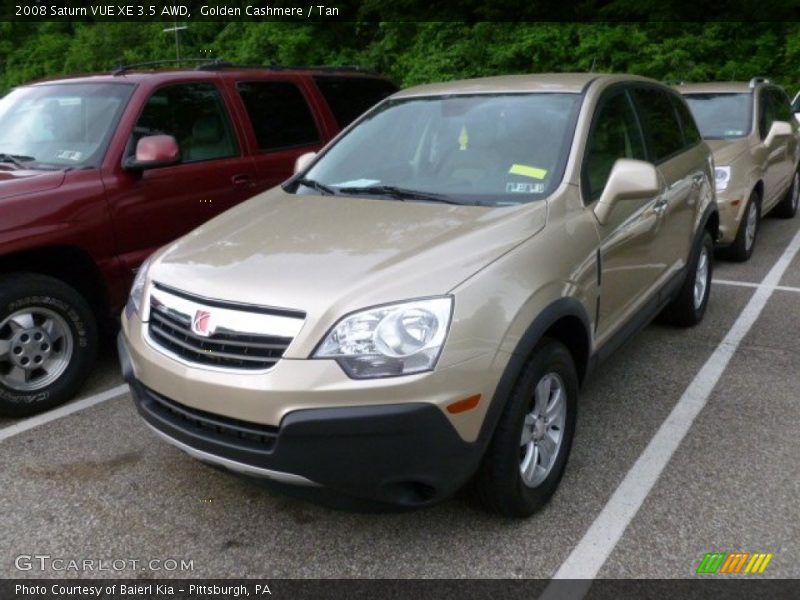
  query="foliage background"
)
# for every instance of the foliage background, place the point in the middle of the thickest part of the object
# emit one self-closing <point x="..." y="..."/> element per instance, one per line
<point x="412" y="53"/>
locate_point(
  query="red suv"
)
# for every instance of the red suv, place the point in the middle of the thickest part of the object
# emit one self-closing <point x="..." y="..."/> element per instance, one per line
<point x="96" y="172"/>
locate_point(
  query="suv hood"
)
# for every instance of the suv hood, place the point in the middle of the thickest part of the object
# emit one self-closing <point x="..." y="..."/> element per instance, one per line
<point x="322" y="254"/>
<point x="727" y="151"/>
<point x="25" y="181"/>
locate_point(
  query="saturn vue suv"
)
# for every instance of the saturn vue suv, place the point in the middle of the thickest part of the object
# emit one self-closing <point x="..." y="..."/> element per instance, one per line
<point x="418" y="306"/>
<point x="754" y="136"/>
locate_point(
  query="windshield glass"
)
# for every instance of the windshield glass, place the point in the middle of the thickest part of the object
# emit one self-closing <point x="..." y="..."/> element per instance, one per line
<point x="472" y="149"/>
<point x="61" y="124"/>
<point x="722" y="116"/>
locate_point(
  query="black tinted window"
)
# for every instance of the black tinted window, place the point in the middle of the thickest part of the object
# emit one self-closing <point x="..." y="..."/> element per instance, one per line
<point x="615" y="134"/>
<point x="783" y="108"/>
<point x="349" y="97"/>
<point x="691" y="135"/>
<point x="279" y="114"/>
<point x="660" y="121"/>
<point x="194" y="115"/>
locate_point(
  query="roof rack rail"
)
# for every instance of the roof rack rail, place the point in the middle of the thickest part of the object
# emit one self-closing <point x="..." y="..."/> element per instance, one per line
<point x="121" y="69"/>
<point x="211" y="64"/>
<point x="756" y="80"/>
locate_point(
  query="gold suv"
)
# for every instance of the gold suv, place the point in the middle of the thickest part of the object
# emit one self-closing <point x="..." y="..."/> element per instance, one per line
<point x="754" y="136"/>
<point x="419" y="305"/>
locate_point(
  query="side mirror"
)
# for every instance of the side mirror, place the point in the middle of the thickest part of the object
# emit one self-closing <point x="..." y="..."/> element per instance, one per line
<point x="629" y="180"/>
<point x="303" y="161"/>
<point x="154" y="151"/>
<point x="778" y="129"/>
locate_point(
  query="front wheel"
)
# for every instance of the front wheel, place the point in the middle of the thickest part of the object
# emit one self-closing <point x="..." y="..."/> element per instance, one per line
<point x="788" y="206"/>
<point x="527" y="455"/>
<point x="689" y="306"/>
<point x="742" y="248"/>
<point x="48" y="343"/>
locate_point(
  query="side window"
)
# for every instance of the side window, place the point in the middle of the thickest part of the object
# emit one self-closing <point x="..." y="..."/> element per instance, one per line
<point x="615" y="134"/>
<point x="195" y="115"/>
<point x="279" y="114"/>
<point x="691" y="135"/>
<point x="766" y="113"/>
<point x="783" y="108"/>
<point x="349" y="97"/>
<point x="660" y="122"/>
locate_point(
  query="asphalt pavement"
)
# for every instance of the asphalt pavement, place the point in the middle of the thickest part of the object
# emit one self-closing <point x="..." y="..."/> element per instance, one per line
<point x="96" y="485"/>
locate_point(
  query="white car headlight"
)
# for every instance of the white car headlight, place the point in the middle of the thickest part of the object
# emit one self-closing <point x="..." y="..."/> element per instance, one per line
<point x="137" y="289"/>
<point x="390" y="340"/>
<point x="722" y="176"/>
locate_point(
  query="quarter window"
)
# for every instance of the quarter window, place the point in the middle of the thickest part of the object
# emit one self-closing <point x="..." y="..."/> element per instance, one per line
<point x="279" y="114"/>
<point x="349" y="97"/>
<point x="660" y="122"/>
<point x="615" y="134"/>
<point x="194" y="114"/>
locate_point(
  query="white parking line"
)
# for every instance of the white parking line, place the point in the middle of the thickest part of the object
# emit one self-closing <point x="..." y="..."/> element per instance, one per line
<point x="592" y="551"/>
<point x="63" y="411"/>
<point x="748" y="284"/>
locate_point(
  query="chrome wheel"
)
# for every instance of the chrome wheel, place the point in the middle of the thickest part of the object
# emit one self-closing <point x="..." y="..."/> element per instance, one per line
<point x="543" y="430"/>
<point x="795" y="191"/>
<point x="36" y="346"/>
<point x="701" y="278"/>
<point x="751" y="226"/>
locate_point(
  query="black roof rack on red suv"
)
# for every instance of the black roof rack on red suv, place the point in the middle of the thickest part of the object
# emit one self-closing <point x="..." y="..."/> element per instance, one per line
<point x="211" y="64"/>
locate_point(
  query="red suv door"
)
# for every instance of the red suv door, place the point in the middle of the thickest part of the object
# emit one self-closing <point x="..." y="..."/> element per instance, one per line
<point x="153" y="207"/>
<point x="282" y="124"/>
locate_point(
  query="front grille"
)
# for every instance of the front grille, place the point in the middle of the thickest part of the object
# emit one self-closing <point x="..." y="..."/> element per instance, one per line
<point x="173" y="332"/>
<point x="257" y="437"/>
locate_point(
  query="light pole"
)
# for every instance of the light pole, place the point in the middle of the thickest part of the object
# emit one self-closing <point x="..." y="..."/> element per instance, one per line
<point x="176" y="29"/>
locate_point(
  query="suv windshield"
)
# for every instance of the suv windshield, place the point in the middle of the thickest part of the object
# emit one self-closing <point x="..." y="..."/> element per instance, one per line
<point x="60" y="124"/>
<point x="490" y="149"/>
<point x="722" y="116"/>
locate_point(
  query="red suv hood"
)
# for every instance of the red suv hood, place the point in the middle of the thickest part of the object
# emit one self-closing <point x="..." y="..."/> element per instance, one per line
<point x="23" y="181"/>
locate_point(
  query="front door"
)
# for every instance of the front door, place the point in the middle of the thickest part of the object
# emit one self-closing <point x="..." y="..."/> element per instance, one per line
<point x="153" y="207"/>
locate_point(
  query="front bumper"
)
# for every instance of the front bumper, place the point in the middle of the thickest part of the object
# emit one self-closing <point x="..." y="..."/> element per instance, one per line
<point x="408" y="454"/>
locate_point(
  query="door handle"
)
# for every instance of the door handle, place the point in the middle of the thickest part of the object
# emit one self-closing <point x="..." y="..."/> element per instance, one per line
<point x="698" y="179"/>
<point x="242" y="179"/>
<point x="661" y="205"/>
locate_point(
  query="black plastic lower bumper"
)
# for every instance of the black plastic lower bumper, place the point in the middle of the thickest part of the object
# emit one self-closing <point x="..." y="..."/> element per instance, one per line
<point x="405" y="454"/>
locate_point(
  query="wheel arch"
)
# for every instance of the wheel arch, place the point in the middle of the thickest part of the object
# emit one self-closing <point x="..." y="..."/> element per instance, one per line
<point x="564" y="320"/>
<point x="69" y="264"/>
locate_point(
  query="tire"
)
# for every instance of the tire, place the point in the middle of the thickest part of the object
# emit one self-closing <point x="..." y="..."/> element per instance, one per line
<point x="787" y="208"/>
<point x="48" y="343"/>
<point x="742" y="248"/>
<point x="499" y="484"/>
<point x="690" y="304"/>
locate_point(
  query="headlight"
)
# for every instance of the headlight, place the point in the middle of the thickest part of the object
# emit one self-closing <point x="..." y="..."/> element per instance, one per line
<point x="137" y="289"/>
<point x="722" y="176"/>
<point x="396" y="339"/>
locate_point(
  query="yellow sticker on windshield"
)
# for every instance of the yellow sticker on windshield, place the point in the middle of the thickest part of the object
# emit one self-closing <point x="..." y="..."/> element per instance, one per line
<point x="527" y="171"/>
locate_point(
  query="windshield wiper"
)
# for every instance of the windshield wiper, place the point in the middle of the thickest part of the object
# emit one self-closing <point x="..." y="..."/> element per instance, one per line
<point x="15" y="159"/>
<point x="399" y="193"/>
<point x="316" y="185"/>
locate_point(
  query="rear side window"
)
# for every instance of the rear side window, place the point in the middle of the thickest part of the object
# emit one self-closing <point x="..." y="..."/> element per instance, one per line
<point x="349" y="97"/>
<point x="615" y="134"/>
<point x="279" y="114"/>
<point x="691" y="135"/>
<point x="661" y="123"/>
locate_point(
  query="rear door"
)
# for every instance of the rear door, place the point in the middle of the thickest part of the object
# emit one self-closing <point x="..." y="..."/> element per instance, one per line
<point x="153" y="207"/>
<point x="282" y="125"/>
<point x="675" y="147"/>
